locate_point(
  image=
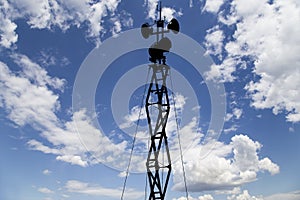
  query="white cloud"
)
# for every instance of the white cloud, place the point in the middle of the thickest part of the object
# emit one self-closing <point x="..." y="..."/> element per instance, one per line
<point x="206" y="197"/>
<point x="219" y="170"/>
<point x="267" y="164"/>
<point x="36" y="145"/>
<point x="244" y="196"/>
<point x="75" y="186"/>
<point x="222" y="72"/>
<point x="49" y="57"/>
<point x="73" y="159"/>
<point x="232" y="128"/>
<point x="191" y="3"/>
<point x="49" y="14"/>
<point x="237" y="112"/>
<point x="190" y="139"/>
<point x="265" y="33"/>
<point x="225" y="167"/>
<point x="245" y="153"/>
<point x="47" y="172"/>
<point x="135" y="114"/>
<point x="65" y="196"/>
<point x="35" y="73"/>
<point x="8" y="35"/>
<point x="203" y="197"/>
<point x="168" y="12"/>
<point x="228" y="117"/>
<point x="152" y="6"/>
<point x="236" y="194"/>
<point x="295" y="195"/>
<point x="45" y="190"/>
<point x="47" y="198"/>
<point x="213" y="5"/>
<point x="24" y="101"/>
<point x="122" y="174"/>
<point x="117" y="27"/>
<point x="27" y="98"/>
<point x="214" y="41"/>
<point x="234" y="191"/>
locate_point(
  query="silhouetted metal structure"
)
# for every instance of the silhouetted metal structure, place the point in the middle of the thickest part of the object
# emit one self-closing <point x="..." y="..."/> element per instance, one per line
<point x="158" y="106"/>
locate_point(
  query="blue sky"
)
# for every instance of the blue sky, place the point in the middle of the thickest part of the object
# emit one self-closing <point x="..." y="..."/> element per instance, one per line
<point x="68" y="115"/>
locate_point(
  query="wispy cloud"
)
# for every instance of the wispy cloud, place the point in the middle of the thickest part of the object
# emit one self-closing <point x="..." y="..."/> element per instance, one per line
<point x="75" y="186"/>
<point x="294" y="195"/>
<point x="45" y="190"/>
<point x="58" y="14"/>
<point x="28" y="99"/>
<point x="47" y="172"/>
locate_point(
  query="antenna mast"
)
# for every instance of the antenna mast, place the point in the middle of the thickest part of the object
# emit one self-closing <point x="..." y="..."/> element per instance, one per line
<point x="158" y="107"/>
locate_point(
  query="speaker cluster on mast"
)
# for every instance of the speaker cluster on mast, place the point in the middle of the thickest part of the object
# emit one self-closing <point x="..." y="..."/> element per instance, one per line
<point x="162" y="44"/>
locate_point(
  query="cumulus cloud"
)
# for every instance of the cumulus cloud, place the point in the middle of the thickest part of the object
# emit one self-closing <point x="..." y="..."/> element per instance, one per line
<point x="225" y="167"/>
<point x="267" y="38"/>
<point x="75" y="186"/>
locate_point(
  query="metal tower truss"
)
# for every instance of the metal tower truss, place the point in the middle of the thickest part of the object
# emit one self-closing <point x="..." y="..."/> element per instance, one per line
<point x="157" y="109"/>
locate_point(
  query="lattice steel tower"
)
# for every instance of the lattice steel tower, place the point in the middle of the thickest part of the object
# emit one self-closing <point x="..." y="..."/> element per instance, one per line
<point x="158" y="107"/>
